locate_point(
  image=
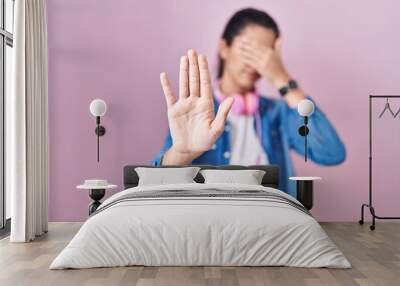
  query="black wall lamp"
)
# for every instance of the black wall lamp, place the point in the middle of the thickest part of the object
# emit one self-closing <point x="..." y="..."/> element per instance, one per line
<point x="305" y="108"/>
<point x="98" y="108"/>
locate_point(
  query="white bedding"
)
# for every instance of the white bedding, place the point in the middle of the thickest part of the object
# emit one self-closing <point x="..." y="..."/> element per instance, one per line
<point x="192" y="231"/>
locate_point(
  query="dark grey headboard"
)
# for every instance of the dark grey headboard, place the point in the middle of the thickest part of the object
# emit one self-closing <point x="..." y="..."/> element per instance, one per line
<point x="271" y="177"/>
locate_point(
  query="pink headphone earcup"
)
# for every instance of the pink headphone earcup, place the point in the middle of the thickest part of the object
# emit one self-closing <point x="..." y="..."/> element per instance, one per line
<point x="247" y="104"/>
<point x="239" y="104"/>
<point x="251" y="102"/>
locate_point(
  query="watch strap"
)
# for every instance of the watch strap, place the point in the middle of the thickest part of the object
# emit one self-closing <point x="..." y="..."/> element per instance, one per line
<point x="291" y="85"/>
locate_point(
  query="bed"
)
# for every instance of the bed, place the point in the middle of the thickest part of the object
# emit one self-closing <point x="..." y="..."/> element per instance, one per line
<point x="198" y="224"/>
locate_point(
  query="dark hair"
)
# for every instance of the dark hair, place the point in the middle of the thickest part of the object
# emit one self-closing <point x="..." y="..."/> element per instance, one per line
<point x="240" y="20"/>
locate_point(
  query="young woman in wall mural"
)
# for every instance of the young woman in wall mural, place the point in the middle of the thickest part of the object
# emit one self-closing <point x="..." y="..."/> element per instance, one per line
<point x="230" y="122"/>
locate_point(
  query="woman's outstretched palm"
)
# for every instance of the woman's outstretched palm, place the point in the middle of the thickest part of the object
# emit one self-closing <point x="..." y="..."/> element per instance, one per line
<point x="194" y="126"/>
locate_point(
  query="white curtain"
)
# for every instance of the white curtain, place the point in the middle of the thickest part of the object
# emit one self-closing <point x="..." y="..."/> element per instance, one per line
<point x="27" y="123"/>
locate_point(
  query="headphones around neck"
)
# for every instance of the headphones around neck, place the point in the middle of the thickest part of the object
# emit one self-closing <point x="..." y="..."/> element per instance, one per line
<point x="243" y="104"/>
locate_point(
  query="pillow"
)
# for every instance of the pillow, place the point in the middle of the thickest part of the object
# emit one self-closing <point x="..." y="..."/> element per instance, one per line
<point x="248" y="177"/>
<point x="162" y="176"/>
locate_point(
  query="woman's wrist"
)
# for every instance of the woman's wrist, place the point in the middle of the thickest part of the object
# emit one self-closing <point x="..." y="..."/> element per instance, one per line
<point x="294" y="96"/>
<point x="175" y="157"/>
<point x="281" y="80"/>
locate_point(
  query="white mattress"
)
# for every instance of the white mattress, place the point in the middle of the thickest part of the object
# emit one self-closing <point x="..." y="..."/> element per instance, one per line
<point x="191" y="231"/>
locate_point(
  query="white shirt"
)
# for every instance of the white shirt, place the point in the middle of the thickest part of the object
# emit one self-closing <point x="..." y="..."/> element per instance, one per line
<point x="246" y="147"/>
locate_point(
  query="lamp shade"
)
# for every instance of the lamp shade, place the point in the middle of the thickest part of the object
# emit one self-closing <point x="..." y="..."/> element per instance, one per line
<point x="98" y="107"/>
<point x="305" y="107"/>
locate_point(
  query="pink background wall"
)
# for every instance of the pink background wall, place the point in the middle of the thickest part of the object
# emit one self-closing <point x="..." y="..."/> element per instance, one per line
<point x="340" y="51"/>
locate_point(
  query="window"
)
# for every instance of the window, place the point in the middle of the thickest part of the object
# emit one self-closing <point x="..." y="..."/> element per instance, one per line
<point x="6" y="62"/>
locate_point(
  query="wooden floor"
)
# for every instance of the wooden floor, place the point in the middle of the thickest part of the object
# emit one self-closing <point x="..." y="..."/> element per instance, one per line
<point x="375" y="257"/>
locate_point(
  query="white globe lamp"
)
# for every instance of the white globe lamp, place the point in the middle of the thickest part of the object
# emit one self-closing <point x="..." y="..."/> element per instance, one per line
<point x="305" y="108"/>
<point x="98" y="107"/>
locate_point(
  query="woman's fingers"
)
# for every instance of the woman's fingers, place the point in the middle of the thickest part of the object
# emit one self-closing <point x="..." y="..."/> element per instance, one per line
<point x="255" y="55"/>
<point x="255" y="49"/>
<point x="205" y="79"/>
<point x="219" y="122"/>
<point x="249" y="58"/>
<point x="184" y="77"/>
<point x="247" y="51"/>
<point x="194" y="76"/>
<point x="251" y="50"/>
<point x="252" y="43"/>
<point x="249" y="62"/>
<point x="249" y="45"/>
<point x="248" y="54"/>
<point x="166" y="86"/>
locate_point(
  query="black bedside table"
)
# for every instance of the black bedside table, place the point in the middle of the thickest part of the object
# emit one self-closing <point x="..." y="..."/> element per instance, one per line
<point x="305" y="190"/>
<point x="96" y="193"/>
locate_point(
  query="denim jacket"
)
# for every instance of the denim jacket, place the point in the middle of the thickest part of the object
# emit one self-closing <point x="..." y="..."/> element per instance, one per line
<point x="279" y="134"/>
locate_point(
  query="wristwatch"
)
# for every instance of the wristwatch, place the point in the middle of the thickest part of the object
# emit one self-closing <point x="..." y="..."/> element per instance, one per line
<point x="292" y="84"/>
